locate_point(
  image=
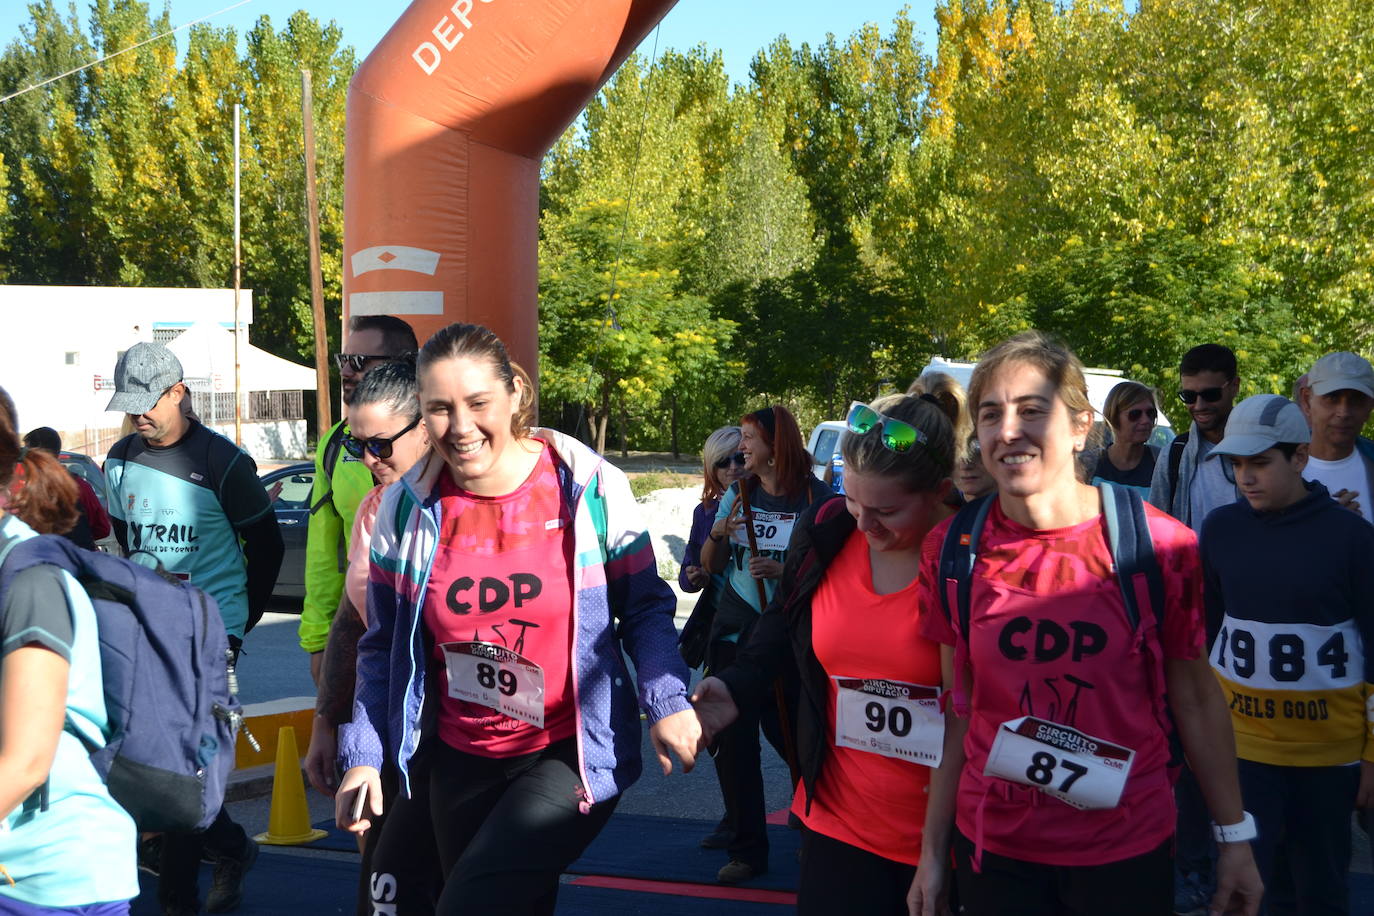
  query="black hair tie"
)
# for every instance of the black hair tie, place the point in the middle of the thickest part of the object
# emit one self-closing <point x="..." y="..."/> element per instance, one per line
<point x="931" y="398"/>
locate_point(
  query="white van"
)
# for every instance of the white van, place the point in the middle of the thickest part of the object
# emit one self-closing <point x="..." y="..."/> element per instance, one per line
<point x="825" y="438"/>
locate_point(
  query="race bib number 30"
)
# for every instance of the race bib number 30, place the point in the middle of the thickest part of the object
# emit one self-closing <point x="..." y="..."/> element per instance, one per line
<point x="889" y="718"/>
<point x="1083" y="771"/>
<point x="494" y="676"/>
<point x="772" y="530"/>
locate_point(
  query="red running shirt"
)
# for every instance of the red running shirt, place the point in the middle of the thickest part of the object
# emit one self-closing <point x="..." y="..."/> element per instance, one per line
<point x="1050" y="639"/>
<point x="864" y="799"/>
<point x="501" y="586"/>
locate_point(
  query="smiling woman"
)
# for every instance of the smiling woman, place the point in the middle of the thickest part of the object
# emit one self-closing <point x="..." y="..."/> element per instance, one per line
<point x="511" y="562"/>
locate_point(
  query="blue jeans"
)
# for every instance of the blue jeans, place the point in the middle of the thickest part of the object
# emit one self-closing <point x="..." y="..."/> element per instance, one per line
<point x="1303" y="847"/>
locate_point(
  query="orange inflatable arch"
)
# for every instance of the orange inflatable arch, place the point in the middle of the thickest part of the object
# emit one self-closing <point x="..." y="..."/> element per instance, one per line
<point x="448" y="120"/>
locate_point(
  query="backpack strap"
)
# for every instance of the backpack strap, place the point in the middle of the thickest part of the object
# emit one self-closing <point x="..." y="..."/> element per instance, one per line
<point x="1175" y="460"/>
<point x="957" y="556"/>
<point x="1133" y="551"/>
<point x="332" y="446"/>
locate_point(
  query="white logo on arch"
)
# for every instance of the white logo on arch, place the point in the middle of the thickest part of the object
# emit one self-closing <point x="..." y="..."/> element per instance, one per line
<point x="395" y="257"/>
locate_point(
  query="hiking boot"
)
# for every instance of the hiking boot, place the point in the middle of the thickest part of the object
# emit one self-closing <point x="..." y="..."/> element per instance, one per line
<point x="226" y="891"/>
<point x="738" y="870"/>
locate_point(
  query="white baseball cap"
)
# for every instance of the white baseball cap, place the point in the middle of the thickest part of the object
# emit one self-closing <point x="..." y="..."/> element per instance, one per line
<point x="1340" y="370"/>
<point x="1261" y="422"/>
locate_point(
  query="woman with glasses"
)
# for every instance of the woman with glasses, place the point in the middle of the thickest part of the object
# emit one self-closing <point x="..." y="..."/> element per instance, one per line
<point x="509" y="577"/>
<point x="868" y="720"/>
<point x="1066" y="679"/>
<point x="1131" y="412"/>
<point x="779" y="489"/>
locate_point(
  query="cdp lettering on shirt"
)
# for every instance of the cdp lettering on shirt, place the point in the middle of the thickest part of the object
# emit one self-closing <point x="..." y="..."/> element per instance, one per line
<point x="1047" y="641"/>
<point x="492" y="593"/>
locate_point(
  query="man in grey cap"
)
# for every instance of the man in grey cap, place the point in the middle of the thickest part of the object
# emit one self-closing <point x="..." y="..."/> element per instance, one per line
<point x="1289" y="589"/>
<point x="191" y="499"/>
<point x="1338" y="399"/>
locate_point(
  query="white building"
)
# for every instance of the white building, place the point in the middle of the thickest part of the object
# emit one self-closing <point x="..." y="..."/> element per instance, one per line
<point x="64" y="341"/>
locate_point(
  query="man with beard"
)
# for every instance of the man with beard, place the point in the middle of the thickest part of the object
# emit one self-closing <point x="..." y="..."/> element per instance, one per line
<point x="1184" y="485"/>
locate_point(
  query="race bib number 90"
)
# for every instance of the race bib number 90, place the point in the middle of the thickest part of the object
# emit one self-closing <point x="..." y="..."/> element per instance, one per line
<point x="890" y="718"/>
<point x="772" y="530"/>
<point x="1075" y="768"/>
<point x="494" y="676"/>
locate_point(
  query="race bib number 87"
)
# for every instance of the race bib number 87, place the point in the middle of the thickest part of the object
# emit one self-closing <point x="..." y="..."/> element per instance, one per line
<point x="889" y="718"/>
<point x="1075" y="768"/>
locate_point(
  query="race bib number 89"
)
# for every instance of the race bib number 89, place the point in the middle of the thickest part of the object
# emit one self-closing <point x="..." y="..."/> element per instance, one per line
<point x="1075" y="768"/>
<point x="495" y="677"/>
<point x="890" y="718"/>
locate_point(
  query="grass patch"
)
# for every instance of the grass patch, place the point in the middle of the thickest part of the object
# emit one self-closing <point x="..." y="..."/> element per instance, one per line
<point x="643" y="484"/>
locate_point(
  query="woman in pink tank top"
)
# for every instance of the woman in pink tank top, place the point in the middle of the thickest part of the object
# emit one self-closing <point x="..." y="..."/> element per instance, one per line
<point x="1055" y="789"/>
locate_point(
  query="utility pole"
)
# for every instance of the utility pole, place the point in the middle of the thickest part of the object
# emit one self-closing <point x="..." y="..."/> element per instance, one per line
<point x="238" y="282"/>
<point x="323" y="414"/>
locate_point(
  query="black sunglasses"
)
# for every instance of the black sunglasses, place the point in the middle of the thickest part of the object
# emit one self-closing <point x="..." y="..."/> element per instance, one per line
<point x="1210" y="395"/>
<point x="356" y="361"/>
<point x="737" y="459"/>
<point x="1134" y="415"/>
<point x="378" y="446"/>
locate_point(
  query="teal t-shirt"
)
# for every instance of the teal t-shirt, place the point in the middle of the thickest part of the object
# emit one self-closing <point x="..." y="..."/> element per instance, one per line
<point x="183" y="505"/>
<point x="81" y="850"/>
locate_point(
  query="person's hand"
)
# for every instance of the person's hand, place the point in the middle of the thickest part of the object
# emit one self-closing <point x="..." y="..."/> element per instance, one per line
<point x="715" y="707"/>
<point x="1364" y="798"/>
<point x="275" y="490"/>
<point x="344" y="798"/>
<point x="1347" y="499"/>
<point x="765" y="568"/>
<point x="928" y="894"/>
<point x="725" y="529"/>
<point x="679" y="733"/>
<point x="1239" y="888"/>
<point x="696" y="575"/>
<point x="316" y="666"/>
<point x="319" y="758"/>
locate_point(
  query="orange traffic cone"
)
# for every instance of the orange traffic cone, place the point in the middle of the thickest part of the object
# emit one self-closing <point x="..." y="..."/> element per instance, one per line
<point x="289" y="822"/>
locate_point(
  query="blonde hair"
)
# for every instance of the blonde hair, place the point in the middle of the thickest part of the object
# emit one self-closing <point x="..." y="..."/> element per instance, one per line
<point x="1123" y="395"/>
<point x="720" y="444"/>
<point x="1041" y="351"/>
<point x="946" y="389"/>
<point x="925" y="464"/>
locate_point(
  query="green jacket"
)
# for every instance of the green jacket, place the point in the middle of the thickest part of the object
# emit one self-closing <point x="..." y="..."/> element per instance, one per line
<point x="331" y="529"/>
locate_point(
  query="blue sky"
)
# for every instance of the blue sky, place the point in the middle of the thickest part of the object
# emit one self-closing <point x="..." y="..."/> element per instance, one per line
<point x="738" y="28"/>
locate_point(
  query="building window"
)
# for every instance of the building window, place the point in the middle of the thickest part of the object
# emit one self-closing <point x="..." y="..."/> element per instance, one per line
<point x="73" y="358"/>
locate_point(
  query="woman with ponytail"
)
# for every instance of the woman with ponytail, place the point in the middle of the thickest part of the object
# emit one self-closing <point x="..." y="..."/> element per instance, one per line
<point x="65" y="845"/>
<point x="508" y="569"/>
<point x="868" y="720"/>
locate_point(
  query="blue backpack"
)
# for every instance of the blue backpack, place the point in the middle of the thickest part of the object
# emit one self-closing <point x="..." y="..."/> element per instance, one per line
<point x="165" y="664"/>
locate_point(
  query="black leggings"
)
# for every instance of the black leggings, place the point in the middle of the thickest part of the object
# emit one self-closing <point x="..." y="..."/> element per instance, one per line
<point x="507" y="828"/>
<point x="400" y="873"/>
<point x="1139" y="886"/>
<point x="839" y="878"/>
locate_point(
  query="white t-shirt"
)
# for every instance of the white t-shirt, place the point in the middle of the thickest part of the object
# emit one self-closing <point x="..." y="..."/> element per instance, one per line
<point x="1213" y="485"/>
<point x="1349" y="473"/>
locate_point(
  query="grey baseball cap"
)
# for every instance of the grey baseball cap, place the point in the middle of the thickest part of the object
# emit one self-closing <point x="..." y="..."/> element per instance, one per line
<point x="1339" y="370"/>
<point x="1261" y="422"/>
<point x="144" y="372"/>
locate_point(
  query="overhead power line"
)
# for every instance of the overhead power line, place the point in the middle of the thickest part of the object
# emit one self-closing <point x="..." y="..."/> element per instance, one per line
<point x="53" y="79"/>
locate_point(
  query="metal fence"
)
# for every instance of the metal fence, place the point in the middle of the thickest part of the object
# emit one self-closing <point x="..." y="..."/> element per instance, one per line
<point x="257" y="405"/>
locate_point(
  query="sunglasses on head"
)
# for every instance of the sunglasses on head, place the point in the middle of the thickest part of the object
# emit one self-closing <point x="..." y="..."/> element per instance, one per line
<point x="897" y="435"/>
<point x="1209" y="395"/>
<point x="356" y="361"/>
<point x="377" y="446"/>
<point x="1134" y="414"/>
<point x="737" y="459"/>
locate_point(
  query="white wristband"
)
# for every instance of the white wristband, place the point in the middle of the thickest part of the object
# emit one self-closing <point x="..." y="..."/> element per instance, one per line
<point x="1236" y="833"/>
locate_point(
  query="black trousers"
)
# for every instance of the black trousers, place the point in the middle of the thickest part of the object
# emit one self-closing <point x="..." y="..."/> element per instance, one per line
<point x="839" y="878"/>
<point x="1139" y="886"/>
<point x="739" y="767"/>
<point x="1303" y="847"/>
<point x="400" y="873"/>
<point x="507" y="828"/>
<point x="182" y="852"/>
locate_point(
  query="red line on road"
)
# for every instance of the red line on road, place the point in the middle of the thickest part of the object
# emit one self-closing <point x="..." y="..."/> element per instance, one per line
<point x="684" y="889"/>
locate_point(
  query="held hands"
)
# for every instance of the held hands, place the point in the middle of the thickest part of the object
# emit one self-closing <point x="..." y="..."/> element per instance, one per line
<point x="355" y="778"/>
<point x="679" y="733"/>
<point x="1239" y="888"/>
<point x="319" y="759"/>
<point x="715" y="707"/>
